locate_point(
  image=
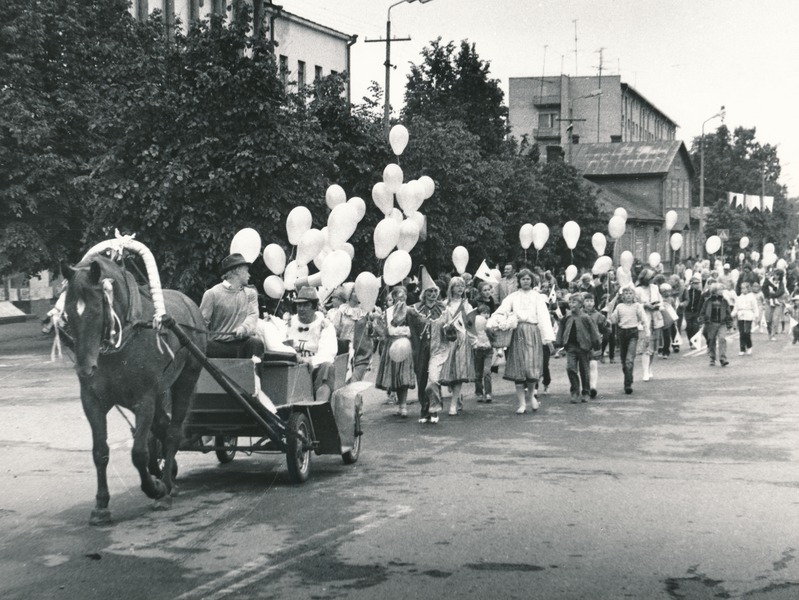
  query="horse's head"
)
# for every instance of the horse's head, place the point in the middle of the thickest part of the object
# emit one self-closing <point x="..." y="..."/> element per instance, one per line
<point x="95" y="292"/>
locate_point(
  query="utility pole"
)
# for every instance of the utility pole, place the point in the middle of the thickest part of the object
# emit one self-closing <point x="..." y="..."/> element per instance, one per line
<point x="599" y="97"/>
<point x="575" y="46"/>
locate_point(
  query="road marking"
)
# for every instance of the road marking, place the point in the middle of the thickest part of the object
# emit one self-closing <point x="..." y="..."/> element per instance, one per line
<point x="260" y="568"/>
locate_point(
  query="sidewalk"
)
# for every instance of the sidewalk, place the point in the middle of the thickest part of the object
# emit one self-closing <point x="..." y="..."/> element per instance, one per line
<point x="24" y="338"/>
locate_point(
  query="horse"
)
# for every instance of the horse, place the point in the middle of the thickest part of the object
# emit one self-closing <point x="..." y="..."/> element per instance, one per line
<point x="122" y="360"/>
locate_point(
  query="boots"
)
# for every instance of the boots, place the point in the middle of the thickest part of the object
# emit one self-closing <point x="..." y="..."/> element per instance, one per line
<point x="645" y="360"/>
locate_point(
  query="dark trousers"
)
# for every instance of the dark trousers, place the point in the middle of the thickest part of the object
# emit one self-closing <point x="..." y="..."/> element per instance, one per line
<point x="546" y="378"/>
<point x="609" y="341"/>
<point x="691" y="324"/>
<point x="421" y="361"/>
<point x="244" y="348"/>
<point x="482" y="370"/>
<point x="577" y="366"/>
<point x="715" y="335"/>
<point x="628" y="343"/>
<point x="745" y="333"/>
<point x="667" y="334"/>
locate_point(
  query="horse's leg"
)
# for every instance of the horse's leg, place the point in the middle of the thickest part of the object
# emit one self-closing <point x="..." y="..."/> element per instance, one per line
<point x="145" y="411"/>
<point x="96" y="415"/>
<point x="182" y="394"/>
<point x="158" y="439"/>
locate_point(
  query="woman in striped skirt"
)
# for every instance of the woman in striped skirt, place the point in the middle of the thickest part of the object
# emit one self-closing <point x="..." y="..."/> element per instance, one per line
<point x="396" y="376"/>
<point x="525" y="355"/>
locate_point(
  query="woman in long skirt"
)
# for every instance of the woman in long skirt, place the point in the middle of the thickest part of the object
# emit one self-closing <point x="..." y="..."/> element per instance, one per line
<point x="525" y="356"/>
<point x="648" y="295"/>
<point x="396" y="376"/>
<point x="459" y="366"/>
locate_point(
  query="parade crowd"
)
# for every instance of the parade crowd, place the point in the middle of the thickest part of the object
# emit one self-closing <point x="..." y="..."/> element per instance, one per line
<point x="436" y="335"/>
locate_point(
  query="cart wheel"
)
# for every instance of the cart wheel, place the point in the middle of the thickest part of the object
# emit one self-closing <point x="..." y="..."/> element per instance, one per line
<point x="351" y="456"/>
<point x="229" y="442"/>
<point x="298" y="459"/>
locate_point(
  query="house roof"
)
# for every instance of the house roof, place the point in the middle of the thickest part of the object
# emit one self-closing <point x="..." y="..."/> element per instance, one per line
<point x="628" y="158"/>
<point x="636" y="208"/>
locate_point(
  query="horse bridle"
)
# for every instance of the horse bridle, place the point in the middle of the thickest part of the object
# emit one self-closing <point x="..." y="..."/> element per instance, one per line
<point x="112" y="326"/>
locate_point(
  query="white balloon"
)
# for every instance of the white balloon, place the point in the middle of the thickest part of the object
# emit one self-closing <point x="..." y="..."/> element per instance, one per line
<point x="769" y="259"/>
<point x="616" y="226"/>
<point x="359" y="206"/>
<point x="428" y="185"/>
<point x="602" y="265"/>
<point x="406" y="198"/>
<point x="319" y="259"/>
<point x="382" y="197"/>
<point x="496" y="274"/>
<point x="782" y="264"/>
<point x="741" y="257"/>
<point x="334" y="196"/>
<point x="397" y="215"/>
<point x="298" y="222"/>
<point x="400" y="349"/>
<point x="341" y="224"/>
<point x="734" y="275"/>
<point x="392" y="177"/>
<point x="417" y="196"/>
<point x="336" y="269"/>
<point x="571" y="234"/>
<point x="397" y="266"/>
<point x="349" y="249"/>
<point x="526" y="235"/>
<point x="654" y="259"/>
<point x="599" y="242"/>
<point x="671" y="219"/>
<point x="311" y="244"/>
<point x="767" y="249"/>
<point x="676" y="241"/>
<point x="688" y="274"/>
<point x="398" y="138"/>
<point x="408" y="235"/>
<point x="367" y="288"/>
<point x="755" y="256"/>
<point x="571" y="273"/>
<point x="460" y="258"/>
<point x="623" y="277"/>
<point x="293" y="271"/>
<point x="626" y="259"/>
<point x="246" y="242"/>
<point x="712" y="244"/>
<point x="419" y="219"/>
<point x="275" y="258"/>
<point x="386" y="236"/>
<point x="744" y="242"/>
<point x="273" y="286"/>
<point x="620" y="212"/>
<point x="540" y="235"/>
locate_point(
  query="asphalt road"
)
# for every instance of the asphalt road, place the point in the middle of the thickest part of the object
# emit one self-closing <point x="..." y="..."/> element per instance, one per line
<point x="686" y="489"/>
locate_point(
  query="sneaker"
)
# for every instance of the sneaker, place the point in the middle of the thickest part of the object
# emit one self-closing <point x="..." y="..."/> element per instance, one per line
<point x="534" y="404"/>
<point x="584" y="398"/>
<point x="434" y="419"/>
<point x="749" y="350"/>
<point x="724" y="363"/>
<point x="741" y="353"/>
<point x="628" y="390"/>
<point x="480" y="398"/>
<point x="424" y="420"/>
<point x="574" y="399"/>
<point x="592" y="393"/>
<point x="488" y="399"/>
<point x="402" y="412"/>
<point x="453" y="411"/>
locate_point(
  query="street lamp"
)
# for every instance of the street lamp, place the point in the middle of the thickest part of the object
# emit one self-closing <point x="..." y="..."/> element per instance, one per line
<point x="387" y="102"/>
<point x="572" y="120"/>
<point x="721" y="114"/>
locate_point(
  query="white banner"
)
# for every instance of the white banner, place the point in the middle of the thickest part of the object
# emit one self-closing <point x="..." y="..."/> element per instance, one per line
<point x="768" y="203"/>
<point x="752" y="202"/>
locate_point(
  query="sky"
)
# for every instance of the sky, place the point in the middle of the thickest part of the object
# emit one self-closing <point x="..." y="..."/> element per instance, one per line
<point x="688" y="57"/>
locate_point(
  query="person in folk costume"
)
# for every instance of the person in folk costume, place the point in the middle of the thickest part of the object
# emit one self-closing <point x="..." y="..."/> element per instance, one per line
<point x="525" y="355"/>
<point x="394" y="376"/>
<point x="423" y="321"/>
<point x="648" y="295"/>
<point x="352" y="324"/>
<point x="459" y="367"/>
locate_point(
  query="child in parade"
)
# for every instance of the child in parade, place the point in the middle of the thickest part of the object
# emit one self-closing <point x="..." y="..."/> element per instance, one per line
<point x="579" y="336"/>
<point x="757" y="292"/>
<point x="601" y="322"/>
<point x="715" y="314"/>
<point x="746" y="310"/>
<point x="648" y="294"/>
<point x="459" y="367"/>
<point x="483" y="353"/>
<point x="629" y="317"/>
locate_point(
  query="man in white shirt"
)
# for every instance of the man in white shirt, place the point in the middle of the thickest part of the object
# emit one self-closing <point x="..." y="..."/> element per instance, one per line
<point x="314" y="339"/>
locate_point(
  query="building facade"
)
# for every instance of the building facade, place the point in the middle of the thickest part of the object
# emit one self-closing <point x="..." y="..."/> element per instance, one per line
<point x="561" y="110"/>
<point x="647" y="179"/>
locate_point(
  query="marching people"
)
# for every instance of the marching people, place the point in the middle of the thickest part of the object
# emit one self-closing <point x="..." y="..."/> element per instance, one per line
<point x="648" y="294"/>
<point x="524" y="359"/>
<point x="773" y="290"/>
<point x="715" y="315"/>
<point x="483" y="353"/>
<point x="579" y="336"/>
<point x="746" y="311"/>
<point x="459" y="366"/>
<point x="600" y="321"/>
<point x="230" y="310"/>
<point x="396" y="376"/>
<point x="628" y="315"/>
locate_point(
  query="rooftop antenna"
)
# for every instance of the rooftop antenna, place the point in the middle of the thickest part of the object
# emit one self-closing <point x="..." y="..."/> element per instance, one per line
<point x="543" y="71"/>
<point x="575" y="46"/>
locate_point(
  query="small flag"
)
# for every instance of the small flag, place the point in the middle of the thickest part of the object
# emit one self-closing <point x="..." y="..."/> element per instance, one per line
<point x="768" y="203"/>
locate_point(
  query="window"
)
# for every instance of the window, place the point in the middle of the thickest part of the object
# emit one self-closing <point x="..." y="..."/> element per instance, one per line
<point x="547" y="120"/>
<point x="301" y="74"/>
<point x="284" y="68"/>
<point x="317" y="73"/>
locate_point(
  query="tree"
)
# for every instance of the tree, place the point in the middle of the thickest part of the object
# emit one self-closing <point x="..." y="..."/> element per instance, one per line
<point x="737" y="162"/>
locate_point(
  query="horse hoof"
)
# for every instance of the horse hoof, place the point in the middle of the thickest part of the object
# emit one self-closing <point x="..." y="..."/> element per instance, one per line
<point x="100" y="516"/>
<point x="164" y="503"/>
<point x="174" y="491"/>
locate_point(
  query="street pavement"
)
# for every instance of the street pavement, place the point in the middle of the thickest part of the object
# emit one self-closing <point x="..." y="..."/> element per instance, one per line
<point x="686" y="489"/>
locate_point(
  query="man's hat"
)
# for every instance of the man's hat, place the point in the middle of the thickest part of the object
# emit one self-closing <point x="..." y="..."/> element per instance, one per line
<point x="306" y="294"/>
<point x="231" y="262"/>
